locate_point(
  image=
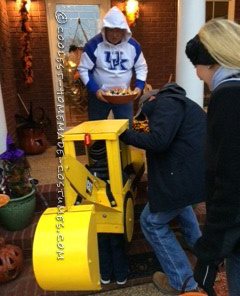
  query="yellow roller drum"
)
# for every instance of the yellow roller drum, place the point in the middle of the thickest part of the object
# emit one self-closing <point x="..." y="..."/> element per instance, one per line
<point x="65" y="252"/>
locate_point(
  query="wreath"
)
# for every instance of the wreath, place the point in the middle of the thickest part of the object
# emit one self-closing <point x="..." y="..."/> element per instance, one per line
<point x="25" y="44"/>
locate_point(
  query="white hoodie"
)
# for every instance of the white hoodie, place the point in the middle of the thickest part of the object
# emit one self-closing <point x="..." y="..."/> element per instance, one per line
<point x="104" y="65"/>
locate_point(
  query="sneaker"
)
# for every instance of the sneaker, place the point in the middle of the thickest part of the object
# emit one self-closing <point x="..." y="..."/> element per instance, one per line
<point x="121" y="282"/>
<point x="160" y="280"/>
<point x="105" y="281"/>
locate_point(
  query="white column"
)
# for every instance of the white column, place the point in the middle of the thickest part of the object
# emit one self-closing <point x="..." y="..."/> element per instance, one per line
<point x="3" y="126"/>
<point x="191" y="16"/>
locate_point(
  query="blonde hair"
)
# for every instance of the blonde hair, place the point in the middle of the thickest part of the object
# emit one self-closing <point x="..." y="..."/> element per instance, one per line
<point x="222" y="40"/>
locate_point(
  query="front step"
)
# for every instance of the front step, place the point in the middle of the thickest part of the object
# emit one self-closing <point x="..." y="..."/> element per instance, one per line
<point x="24" y="238"/>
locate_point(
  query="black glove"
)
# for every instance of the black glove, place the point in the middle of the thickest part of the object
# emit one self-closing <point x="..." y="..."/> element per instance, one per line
<point x="205" y="275"/>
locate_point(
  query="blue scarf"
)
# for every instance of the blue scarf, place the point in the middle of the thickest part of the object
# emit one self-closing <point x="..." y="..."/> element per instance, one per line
<point x="221" y="75"/>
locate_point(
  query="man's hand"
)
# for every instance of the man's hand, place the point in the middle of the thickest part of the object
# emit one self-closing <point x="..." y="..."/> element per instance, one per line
<point x="99" y="96"/>
<point x="205" y="275"/>
<point x="138" y="91"/>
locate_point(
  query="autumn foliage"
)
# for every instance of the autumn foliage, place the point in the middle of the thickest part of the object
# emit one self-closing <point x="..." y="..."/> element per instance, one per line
<point x="25" y="44"/>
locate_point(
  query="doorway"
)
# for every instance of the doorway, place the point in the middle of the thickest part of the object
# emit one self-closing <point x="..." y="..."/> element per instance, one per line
<point x="82" y="22"/>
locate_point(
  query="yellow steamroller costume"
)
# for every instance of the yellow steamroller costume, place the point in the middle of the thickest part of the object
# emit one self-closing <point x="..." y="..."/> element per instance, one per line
<point x="65" y="249"/>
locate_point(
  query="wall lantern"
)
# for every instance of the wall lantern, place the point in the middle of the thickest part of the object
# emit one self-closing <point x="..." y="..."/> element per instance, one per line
<point x="28" y="4"/>
<point x="132" y="11"/>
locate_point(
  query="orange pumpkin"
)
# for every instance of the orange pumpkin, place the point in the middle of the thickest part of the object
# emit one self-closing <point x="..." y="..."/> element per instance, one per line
<point x="11" y="259"/>
<point x="4" y="199"/>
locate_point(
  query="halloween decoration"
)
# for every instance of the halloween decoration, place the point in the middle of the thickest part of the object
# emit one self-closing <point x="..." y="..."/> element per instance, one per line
<point x="4" y="199"/>
<point x="25" y="44"/>
<point x="17" y="184"/>
<point x="11" y="261"/>
<point x="31" y="129"/>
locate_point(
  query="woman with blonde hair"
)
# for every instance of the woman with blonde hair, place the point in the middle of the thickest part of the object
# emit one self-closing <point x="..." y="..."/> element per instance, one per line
<point x="215" y="53"/>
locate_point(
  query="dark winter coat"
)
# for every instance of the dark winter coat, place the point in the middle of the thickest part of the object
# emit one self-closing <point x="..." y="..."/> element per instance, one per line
<point x="221" y="234"/>
<point x="174" y="149"/>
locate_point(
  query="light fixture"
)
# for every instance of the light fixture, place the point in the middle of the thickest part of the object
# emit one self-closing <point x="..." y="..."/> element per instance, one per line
<point x="132" y="11"/>
<point x="28" y="4"/>
<point x="72" y="64"/>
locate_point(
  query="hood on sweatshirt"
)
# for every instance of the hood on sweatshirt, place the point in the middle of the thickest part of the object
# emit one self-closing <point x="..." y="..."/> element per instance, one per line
<point x="116" y="19"/>
<point x="145" y="107"/>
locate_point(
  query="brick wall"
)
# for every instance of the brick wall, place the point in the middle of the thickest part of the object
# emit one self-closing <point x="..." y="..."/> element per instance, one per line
<point x="237" y="11"/>
<point x="7" y="75"/>
<point x="41" y="91"/>
<point x="156" y="31"/>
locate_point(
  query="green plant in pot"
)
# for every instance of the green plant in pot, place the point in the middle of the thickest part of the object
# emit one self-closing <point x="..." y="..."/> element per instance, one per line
<point x="14" y="182"/>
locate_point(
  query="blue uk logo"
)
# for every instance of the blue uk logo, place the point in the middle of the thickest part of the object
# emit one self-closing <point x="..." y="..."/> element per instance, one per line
<point x="115" y="60"/>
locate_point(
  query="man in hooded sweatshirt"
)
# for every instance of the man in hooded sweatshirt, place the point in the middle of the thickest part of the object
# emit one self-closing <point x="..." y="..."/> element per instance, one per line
<point x="107" y="62"/>
<point x="175" y="164"/>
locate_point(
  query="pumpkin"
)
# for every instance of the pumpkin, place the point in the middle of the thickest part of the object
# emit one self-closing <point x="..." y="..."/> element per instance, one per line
<point x="11" y="261"/>
<point x="4" y="199"/>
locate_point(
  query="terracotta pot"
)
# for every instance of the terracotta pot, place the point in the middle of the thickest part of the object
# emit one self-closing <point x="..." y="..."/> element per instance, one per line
<point x="11" y="261"/>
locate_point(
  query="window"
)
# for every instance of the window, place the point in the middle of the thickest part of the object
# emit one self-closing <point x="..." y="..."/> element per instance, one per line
<point x="219" y="8"/>
<point x="89" y="16"/>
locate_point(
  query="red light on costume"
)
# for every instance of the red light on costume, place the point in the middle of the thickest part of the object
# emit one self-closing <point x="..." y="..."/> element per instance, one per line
<point x="87" y="139"/>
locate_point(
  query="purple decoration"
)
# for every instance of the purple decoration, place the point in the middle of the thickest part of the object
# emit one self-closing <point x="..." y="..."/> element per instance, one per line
<point x="12" y="154"/>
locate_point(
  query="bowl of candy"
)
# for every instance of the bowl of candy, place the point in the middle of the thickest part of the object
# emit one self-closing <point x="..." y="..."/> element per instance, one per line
<point x="120" y="95"/>
<point x="141" y="125"/>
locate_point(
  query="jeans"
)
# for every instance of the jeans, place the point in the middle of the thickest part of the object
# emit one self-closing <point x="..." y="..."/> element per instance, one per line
<point x="170" y="254"/>
<point x="112" y="256"/>
<point x="233" y="274"/>
<point x="98" y="110"/>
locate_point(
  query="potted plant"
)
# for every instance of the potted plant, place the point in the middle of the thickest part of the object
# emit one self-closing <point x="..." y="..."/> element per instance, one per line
<point x="14" y="182"/>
